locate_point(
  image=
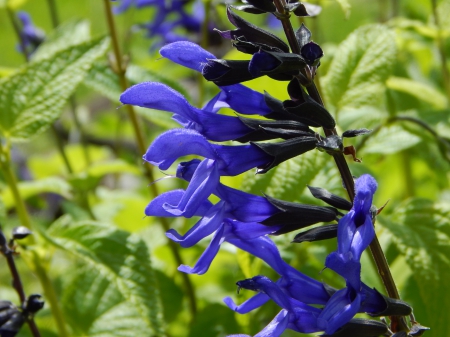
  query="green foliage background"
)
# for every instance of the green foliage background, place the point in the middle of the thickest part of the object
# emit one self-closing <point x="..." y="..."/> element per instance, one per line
<point x="111" y="267"/>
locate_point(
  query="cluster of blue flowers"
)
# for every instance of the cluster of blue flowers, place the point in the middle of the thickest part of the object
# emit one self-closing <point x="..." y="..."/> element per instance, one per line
<point x="31" y="36"/>
<point x="168" y="17"/>
<point x="245" y="220"/>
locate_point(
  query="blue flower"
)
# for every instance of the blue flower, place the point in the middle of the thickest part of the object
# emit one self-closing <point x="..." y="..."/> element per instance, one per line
<point x="213" y="126"/>
<point x="233" y="204"/>
<point x="30" y="35"/>
<point x="226" y="160"/>
<point x="355" y="233"/>
<point x="168" y="17"/>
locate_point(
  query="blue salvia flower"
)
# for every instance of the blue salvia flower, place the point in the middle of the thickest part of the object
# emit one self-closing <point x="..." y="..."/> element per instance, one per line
<point x="355" y="233"/>
<point x="233" y="204"/>
<point x="169" y="16"/>
<point x="30" y="35"/>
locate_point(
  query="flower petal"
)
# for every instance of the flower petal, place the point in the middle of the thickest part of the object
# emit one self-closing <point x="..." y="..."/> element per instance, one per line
<point x="175" y="143"/>
<point x="206" y="226"/>
<point x="203" y="183"/>
<point x="187" y="54"/>
<point x="155" y="207"/>
<point x="340" y="309"/>
<point x="277" y="326"/>
<point x="251" y="304"/>
<point x="207" y="257"/>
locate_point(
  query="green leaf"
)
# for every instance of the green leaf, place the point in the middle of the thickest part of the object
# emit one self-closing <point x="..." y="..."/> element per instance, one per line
<point x="104" y="80"/>
<point x="287" y="180"/>
<point x="421" y="232"/>
<point x="67" y="35"/>
<point x="214" y="320"/>
<point x="391" y="139"/>
<point x="345" y="5"/>
<point x="421" y="91"/>
<point x="117" y="294"/>
<point x="32" y="99"/>
<point x="30" y="189"/>
<point x="360" y="68"/>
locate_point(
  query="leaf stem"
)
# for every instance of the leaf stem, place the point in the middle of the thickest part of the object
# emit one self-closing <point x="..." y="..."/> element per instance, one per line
<point x="121" y="71"/>
<point x="18" y="286"/>
<point x="398" y="323"/>
<point x="5" y="163"/>
<point x="50" y="294"/>
<point x="53" y="13"/>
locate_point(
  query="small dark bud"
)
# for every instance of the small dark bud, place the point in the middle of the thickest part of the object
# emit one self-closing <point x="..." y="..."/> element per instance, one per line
<point x="248" y="284"/>
<point x="13" y="325"/>
<point x="285" y="150"/>
<point x="251" y="33"/>
<point x="355" y="133"/>
<point x="317" y="234"/>
<point x="21" y="232"/>
<point x="358" y="327"/>
<point x="293" y="216"/>
<point x="417" y="330"/>
<point x="303" y="35"/>
<point x="34" y="303"/>
<point x="264" y="5"/>
<point x="330" y="198"/>
<point x="331" y="145"/>
<point x="400" y="334"/>
<point x="394" y="307"/>
<point x="305" y="9"/>
<point x="312" y="53"/>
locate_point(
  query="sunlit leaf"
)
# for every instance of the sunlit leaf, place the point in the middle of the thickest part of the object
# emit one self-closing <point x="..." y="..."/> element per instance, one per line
<point x="32" y="99"/>
<point x="345" y="5"/>
<point x="390" y="139"/>
<point x="30" y="189"/>
<point x="69" y="34"/>
<point x="421" y="231"/>
<point x="123" y="295"/>
<point x="360" y="68"/>
<point x="421" y="91"/>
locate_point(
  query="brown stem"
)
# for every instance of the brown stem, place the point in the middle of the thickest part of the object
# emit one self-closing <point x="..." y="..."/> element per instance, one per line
<point x="18" y="286"/>
<point x="121" y="70"/>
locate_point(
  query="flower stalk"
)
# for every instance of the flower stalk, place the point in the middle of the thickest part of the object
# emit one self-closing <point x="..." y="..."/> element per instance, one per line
<point x="121" y="71"/>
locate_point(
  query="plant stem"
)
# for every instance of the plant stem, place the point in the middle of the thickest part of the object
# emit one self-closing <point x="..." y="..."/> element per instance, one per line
<point x="12" y="19"/>
<point x="5" y="164"/>
<point x="397" y="323"/>
<point x="18" y="286"/>
<point x="50" y="294"/>
<point x="121" y="71"/>
<point x="53" y="13"/>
